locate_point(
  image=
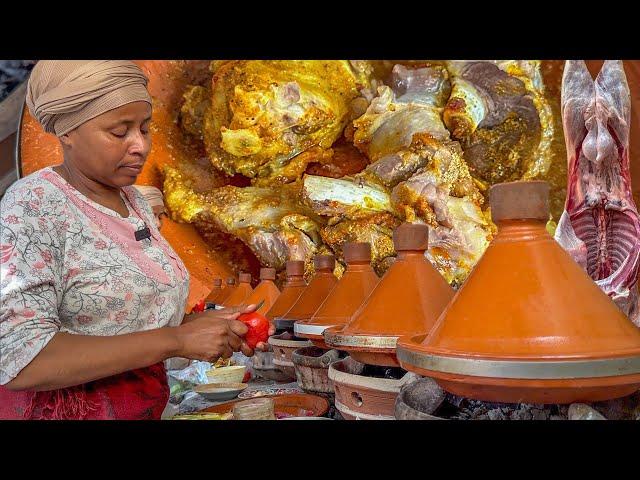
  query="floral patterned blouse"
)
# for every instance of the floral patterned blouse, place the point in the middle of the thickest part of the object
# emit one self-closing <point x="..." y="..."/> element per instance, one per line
<point x="68" y="264"/>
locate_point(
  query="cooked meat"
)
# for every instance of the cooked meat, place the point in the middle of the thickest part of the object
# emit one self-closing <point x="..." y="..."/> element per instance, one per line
<point x="498" y="112"/>
<point x="262" y="113"/>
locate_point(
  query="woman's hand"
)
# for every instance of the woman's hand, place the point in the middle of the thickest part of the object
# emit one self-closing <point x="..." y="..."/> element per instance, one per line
<point x="210" y="335"/>
<point x="216" y="333"/>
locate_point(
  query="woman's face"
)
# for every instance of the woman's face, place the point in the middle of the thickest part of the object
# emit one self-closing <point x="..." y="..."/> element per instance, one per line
<point x="111" y="148"/>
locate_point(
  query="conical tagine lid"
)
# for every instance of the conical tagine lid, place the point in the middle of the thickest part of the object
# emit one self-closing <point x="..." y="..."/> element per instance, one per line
<point x="241" y="292"/>
<point x="319" y="287"/>
<point x="224" y="294"/>
<point x="407" y="300"/>
<point x="266" y="291"/>
<point x="350" y="292"/>
<point x="216" y="291"/>
<point x="291" y="291"/>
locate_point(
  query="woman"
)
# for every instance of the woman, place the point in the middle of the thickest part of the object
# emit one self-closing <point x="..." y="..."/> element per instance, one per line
<point x="92" y="297"/>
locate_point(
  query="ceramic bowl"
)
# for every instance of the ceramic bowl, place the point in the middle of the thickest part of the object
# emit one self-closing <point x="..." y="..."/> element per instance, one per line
<point x="232" y="374"/>
<point x="218" y="392"/>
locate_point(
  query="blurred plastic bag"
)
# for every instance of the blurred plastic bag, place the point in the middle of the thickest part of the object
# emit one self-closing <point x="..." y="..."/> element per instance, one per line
<point x="195" y="373"/>
<point x="183" y="381"/>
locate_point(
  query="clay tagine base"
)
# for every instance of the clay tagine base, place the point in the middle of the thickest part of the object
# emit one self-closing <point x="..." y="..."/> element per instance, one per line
<point x="358" y="396"/>
<point x="283" y="347"/>
<point x="384" y="359"/>
<point x="312" y="368"/>
<point x="263" y="367"/>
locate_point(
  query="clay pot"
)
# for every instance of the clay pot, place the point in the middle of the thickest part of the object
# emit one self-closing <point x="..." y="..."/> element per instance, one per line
<point x="312" y="368"/>
<point x="266" y="291"/>
<point x="241" y="292"/>
<point x="407" y="301"/>
<point x="418" y="400"/>
<point x="263" y="360"/>
<point x="263" y="367"/>
<point x="319" y="287"/>
<point x="352" y="289"/>
<point x="359" y="397"/>
<point x="529" y="325"/>
<point x="291" y="291"/>
<point x="225" y="293"/>
<point x="283" y="347"/>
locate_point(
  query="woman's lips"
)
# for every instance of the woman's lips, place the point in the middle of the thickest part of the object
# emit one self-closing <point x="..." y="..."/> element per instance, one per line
<point x="133" y="169"/>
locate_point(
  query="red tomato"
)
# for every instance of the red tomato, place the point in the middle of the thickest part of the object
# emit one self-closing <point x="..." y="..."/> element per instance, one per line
<point x="258" y="328"/>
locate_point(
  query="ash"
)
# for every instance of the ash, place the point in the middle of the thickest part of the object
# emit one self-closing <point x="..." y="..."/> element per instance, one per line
<point x="459" y="408"/>
<point x="12" y="74"/>
<point x="467" y="409"/>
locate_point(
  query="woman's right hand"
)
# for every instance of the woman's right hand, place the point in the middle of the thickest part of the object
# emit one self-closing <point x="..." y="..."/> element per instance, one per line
<point x="212" y="334"/>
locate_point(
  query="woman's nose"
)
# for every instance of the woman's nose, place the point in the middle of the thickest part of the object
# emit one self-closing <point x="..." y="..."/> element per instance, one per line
<point x="140" y="144"/>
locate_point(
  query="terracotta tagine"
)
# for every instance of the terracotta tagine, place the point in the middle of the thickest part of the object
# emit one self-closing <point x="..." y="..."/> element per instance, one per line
<point x="216" y="291"/>
<point x="528" y="325"/>
<point x="241" y="292"/>
<point x="291" y="291"/>
<point x="224" y="294"/>
<point x="407" y="301"/>
<point x="357" y="282"/>
<point x="266" y="291"/>
<point x="319" y="287"/>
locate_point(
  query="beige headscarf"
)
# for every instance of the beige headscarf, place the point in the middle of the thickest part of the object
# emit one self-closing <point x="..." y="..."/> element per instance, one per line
<point x="63" y="94"/>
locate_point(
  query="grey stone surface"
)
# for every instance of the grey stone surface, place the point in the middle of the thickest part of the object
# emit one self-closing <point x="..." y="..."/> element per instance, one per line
<point x="582" y="411"/>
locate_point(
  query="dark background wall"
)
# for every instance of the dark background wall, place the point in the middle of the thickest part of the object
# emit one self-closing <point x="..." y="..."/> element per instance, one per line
<point x="13" y="74"/>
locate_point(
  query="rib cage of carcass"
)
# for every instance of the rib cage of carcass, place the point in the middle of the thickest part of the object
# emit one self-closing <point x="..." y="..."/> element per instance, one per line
<point x="435" y="136"/>
<point x="600" y="226"/>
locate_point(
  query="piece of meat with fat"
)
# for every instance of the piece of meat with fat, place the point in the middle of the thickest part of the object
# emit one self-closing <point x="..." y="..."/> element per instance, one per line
<point x="386" y="132"/>
<point x="498" y="111"/>
<point x="273" y="223"/>
<point x="600" y="226"/>
<point x="429" y="86"/>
